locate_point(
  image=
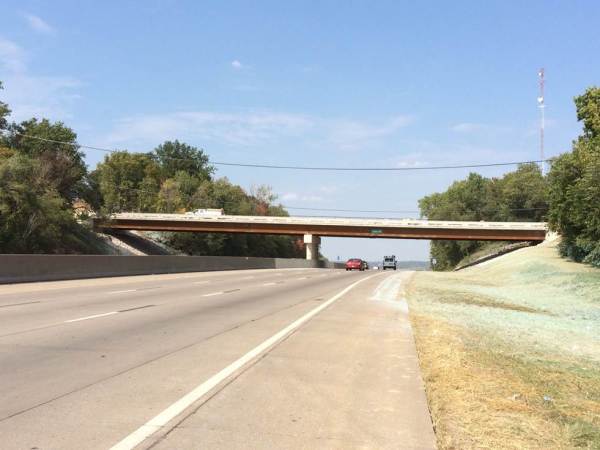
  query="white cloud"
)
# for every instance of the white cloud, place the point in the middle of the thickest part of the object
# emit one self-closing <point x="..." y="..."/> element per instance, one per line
<point x="467" y="127"/>
<point x="38" y="24"/>
<point x="474" y="127"/>
<point x="250" y="128"/>
<point x="352" y="134"/>
<point x="12" y="57"/>
<point x="236" y="64"/>
<point x="231" y="128"/>
<point x="29" y="94"/>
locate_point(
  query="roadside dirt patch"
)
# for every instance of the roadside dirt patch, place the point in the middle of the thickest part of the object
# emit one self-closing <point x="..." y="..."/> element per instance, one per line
<point x="469" y="298"/>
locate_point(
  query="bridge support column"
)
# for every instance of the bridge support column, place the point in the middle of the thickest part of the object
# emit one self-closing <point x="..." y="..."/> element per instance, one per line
<point x="311" y="242"/>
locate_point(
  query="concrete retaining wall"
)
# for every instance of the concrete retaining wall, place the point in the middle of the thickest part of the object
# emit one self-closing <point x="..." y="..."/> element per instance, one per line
<point x="24" y="268"/>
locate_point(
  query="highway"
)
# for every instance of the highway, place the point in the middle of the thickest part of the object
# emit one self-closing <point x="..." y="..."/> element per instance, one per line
<point x="290" y="358"/>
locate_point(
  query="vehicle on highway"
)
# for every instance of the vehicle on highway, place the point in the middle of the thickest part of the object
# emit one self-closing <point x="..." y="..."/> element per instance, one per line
<point x="389" y="262"/>
<point x="365" y="265"/>
<point x="355" y="264"/>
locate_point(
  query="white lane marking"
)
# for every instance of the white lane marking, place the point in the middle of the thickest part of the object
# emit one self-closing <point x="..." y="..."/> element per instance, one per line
<point x="213" y="294"/>
<point x="302" y="278"/>
<point x="201" y="282"/>
<point x="269" y="284"/>
<point x="91" y="317"/>
<point x="159" y="421"/>
<point x="122" y="292"/>
<point x="248" y="278"/>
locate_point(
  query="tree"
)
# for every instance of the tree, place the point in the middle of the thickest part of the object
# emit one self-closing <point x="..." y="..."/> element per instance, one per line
<point x="524" y="194"/>
<point x="128" y="182"/>
<point x="175" y="156"/>
<point x="4" y="113"/>
<point x="61" y="162"/>
<point x="169" y="197"/>
<point x="588" y="112"/>
<point x="517" y="196"/>
<point x="33" y="216"/>
<point x="574" y="181"/>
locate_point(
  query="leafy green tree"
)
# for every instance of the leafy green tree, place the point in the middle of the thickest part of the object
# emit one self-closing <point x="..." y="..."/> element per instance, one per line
<point x="34" y="217"/>
<point x="169" y="197"/>
<point x="574" y="181"/>
<point x="175" y="156"/>
<point x="128" y="182"/>
<point x="524" y="194"/>
<point x="517" y="196"/>
<point x="55" y="146"/>
<point x="588" y="112"/>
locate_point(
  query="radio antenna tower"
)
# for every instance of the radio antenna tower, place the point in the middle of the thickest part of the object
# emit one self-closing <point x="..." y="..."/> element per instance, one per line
<point x="542" y="118"/>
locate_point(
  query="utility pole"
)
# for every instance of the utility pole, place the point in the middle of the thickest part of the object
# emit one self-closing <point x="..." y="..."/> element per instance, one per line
<point x="542" y="118"/>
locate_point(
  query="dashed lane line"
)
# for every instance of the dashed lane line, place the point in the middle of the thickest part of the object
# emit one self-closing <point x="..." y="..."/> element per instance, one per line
<point x="110" y="313"/>
<point x="95" y="316"/>
<point x="212" y="294"/>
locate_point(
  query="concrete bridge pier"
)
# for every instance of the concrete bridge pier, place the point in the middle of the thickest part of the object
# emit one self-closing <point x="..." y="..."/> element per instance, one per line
<point x="311" y="242"/>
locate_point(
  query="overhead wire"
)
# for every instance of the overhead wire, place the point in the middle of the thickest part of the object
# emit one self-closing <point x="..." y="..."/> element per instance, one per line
<point x="296" y="167"/>
<point x="366" y="211"/>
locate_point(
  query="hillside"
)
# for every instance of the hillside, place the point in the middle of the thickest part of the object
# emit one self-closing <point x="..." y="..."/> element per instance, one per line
<point x="510" y="351"/>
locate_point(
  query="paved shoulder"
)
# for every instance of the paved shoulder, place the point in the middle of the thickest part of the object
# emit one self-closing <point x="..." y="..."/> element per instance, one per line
<point x="347" y="379"/>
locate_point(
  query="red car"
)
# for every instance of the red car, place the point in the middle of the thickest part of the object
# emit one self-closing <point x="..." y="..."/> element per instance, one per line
<point x="355" y="264"/>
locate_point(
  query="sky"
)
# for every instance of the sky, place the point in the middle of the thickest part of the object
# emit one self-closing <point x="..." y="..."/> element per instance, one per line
<point x="315" y="83"/>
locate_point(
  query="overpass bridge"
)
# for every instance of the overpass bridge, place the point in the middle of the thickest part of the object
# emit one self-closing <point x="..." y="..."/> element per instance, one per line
<point x="313" y="228"/>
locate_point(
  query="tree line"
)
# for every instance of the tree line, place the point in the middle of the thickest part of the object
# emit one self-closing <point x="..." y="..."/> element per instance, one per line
<point x="43" y="175"/>
<point x="568" y="197"/>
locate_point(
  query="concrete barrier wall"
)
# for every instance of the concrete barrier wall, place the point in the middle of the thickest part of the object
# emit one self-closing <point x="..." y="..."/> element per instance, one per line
<point x="24" y="268"/>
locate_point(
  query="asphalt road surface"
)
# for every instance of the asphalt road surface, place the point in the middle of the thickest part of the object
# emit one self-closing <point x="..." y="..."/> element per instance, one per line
<point x="293" y="358"/>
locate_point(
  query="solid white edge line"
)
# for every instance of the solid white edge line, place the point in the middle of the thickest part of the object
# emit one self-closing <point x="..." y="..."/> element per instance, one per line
<point x="159" y="421"/>
<point x="122" y="292"/>
<point x="91" y="317"/>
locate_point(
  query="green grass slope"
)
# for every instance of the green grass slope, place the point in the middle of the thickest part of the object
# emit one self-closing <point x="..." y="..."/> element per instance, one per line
<point x="510" y="351"/>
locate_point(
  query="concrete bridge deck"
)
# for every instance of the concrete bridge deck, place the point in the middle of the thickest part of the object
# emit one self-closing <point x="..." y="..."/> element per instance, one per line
<point x="325" y="226"/>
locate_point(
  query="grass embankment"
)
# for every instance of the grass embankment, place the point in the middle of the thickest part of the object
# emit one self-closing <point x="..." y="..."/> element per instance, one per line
<point x="510" y="352"/>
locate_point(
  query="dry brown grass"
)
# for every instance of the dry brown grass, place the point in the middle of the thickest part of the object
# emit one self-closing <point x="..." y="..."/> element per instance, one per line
<point x="483" y="397"/>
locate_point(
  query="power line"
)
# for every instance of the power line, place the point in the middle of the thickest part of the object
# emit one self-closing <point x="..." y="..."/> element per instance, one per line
<point x="311" y="168"/>
<point x="368" y="211"/>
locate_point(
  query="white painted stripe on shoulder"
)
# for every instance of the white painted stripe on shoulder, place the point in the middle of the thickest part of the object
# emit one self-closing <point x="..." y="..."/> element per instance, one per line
<point x="201" y="282"/>
<point x="122" y="292"/>
<point x="269" y="284"/>
<point x="159" y="421"/>
<point x="95" y="316"/>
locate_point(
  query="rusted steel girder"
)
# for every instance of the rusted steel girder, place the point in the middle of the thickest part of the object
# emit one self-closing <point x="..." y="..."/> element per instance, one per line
<point x="337" y="230"/>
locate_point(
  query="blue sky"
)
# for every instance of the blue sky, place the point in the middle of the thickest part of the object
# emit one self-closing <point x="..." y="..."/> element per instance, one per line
<point x="392" y="84"/>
